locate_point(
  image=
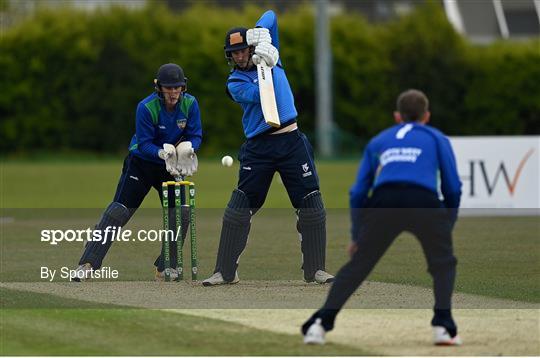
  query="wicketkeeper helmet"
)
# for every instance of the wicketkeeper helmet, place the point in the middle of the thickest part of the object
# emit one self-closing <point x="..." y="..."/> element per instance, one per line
<point x="171" y="75"/>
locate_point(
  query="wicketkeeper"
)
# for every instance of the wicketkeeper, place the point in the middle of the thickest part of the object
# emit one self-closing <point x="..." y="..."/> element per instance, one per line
<point x="396" y="190"/>
<point x="267" y="150"/>
<point x="167" y="134"/>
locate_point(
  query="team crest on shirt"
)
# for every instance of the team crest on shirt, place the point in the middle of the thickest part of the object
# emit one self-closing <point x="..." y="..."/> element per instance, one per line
<point x="181" y="123"/>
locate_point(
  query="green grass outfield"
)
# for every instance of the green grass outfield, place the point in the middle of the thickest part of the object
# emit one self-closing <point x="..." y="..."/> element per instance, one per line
<point x="92" y="184"/>
<point x="498" y="257"/>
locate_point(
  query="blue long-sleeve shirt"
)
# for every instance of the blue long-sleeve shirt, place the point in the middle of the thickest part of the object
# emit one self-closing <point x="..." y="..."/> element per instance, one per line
<point x="155" y="126"/>
<point x="244" y="88"/>
<point x="408" y="153"/>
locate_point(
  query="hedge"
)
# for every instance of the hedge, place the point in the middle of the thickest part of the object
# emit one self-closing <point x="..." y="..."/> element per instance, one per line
<point x="71" y="79"/>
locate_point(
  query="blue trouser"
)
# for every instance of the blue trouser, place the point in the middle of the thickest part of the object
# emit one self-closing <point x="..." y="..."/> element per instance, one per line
<point x="137" y="178"/>
<point x="290" y="154"/>
<point x="391" y="210"/>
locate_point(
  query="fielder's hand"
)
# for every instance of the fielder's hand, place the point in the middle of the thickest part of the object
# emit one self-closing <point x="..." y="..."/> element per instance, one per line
<point x="267" y="52"/>
<point x="353" y="247"/>
<point x="168" y="154"/>
<point x="186" y="159"/>
<point x="258" y="35"/>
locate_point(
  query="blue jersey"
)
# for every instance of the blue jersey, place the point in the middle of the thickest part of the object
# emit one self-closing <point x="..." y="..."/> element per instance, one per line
<point x="410" y="153"/>
<point x="244" y="88"/>
<point x="155" y="126"/>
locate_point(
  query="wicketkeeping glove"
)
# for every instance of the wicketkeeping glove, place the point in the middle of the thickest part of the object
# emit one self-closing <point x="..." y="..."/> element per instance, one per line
<point x="267" y="52"/>
<point x="186" y="159"/>
<point x="258" y="35"/>
<point x="168" y="154"/>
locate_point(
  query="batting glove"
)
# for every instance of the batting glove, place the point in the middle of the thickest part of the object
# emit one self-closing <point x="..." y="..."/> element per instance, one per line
<point x="258" y="35"/>
<point x="168" y="154"/>
<point x="267" y="52"/>
<point x="186" y="159"/>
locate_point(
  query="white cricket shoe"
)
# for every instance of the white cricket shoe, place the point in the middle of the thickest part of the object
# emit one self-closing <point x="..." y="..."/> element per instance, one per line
<point x="82" y="273"/>
<point x="160" y="275"/>
<point x="322" y="277"/>
<point x="217" y="279"/>
<point x="441" y="337"/>
<point x="315" y="333"/>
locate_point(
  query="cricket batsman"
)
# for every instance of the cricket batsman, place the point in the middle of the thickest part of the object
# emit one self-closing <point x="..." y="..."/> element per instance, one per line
<point x="267" y="150"/>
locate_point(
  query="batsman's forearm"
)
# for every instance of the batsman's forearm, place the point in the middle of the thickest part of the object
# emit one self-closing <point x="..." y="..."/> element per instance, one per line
<point x="243" y="92"/>
<point x="268" y="20"/>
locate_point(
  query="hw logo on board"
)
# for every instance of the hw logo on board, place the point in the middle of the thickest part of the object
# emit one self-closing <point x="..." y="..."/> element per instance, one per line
<point x="479" y="174"/>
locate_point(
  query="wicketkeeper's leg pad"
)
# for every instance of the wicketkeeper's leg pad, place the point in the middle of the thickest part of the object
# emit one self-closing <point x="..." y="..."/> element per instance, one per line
<point x="312" y="228"/>
<point x="234" y="234"/>
<point x="116" y="215"/>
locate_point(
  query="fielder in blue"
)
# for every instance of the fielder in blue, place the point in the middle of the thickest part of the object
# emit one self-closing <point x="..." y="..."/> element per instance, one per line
<point x="396" y="190"/>
<point x="267" y="150"/>
<point x="167" y="133"/>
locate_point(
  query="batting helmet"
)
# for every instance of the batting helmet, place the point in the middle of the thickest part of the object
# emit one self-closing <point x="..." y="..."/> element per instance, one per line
<point x="171" y="75"/>
<point x="235" y="40"/>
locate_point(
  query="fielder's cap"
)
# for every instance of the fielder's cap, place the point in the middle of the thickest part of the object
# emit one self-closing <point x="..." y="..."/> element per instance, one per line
<point x="171" y="75"/>
<point x="236" y="39"/>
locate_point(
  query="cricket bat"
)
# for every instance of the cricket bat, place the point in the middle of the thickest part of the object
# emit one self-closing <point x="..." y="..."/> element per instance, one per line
<point x="268" y="96"/>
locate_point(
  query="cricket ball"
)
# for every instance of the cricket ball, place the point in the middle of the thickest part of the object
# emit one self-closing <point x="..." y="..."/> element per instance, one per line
<point x="227" y="161"/>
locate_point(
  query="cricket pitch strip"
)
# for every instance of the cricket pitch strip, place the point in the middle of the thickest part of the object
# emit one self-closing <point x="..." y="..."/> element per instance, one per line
<point x="382" y="318"/>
